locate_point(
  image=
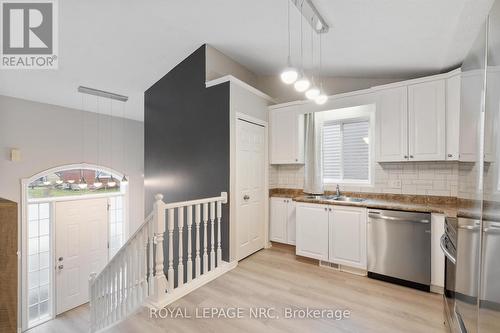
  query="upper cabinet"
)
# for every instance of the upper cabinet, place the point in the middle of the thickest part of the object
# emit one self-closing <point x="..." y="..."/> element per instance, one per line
<point x="453" y="117"/>
<point x="426" y="121"/>
<point x="419" y="120"/>
<point x="287" y="136"/>
<point x="391" y="128"/>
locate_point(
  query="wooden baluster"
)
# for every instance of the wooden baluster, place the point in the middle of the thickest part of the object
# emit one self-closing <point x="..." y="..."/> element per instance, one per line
<point x="145" y="264"/>
<point x="180" y="266"/>
<point x="212" y="232"/>
<point x="189" y="263"/>
<point x="219" y="216"/>
<point x="171" y="224"/>
<point x="123" y="307"/>
<point x="205" y="223"/>
<point x="160" y="282"/>
<point x="197" y="222"/>
<point x="150" y="257"/>
<point x="92" y="301"/>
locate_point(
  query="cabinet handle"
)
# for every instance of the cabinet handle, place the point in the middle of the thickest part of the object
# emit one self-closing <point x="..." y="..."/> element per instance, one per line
<point x="296" y="160"/>
<point x="326" y="209"/>
<point x="411" y="156"/>
<point x="406" y="156"/>
<point x="330" y="209"/>
<point x="450" y="155"/>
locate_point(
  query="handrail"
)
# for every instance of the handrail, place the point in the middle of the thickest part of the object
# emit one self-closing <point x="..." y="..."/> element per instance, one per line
<point x="222" y="198"/>
<point x="148" y="219"/>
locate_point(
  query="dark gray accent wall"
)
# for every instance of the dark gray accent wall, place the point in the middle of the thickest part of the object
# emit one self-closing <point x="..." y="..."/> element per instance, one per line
<point x="186" y="145"/>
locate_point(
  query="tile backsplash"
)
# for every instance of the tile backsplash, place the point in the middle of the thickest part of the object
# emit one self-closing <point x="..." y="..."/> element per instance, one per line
<point x="420" y="178"/>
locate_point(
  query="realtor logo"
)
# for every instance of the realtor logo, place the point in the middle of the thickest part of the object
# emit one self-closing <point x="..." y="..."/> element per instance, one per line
<point x="29" y="34"/>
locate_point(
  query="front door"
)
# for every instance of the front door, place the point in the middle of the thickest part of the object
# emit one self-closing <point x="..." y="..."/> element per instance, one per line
<point x="250" y="187"/>
<point x="81" y="248"/>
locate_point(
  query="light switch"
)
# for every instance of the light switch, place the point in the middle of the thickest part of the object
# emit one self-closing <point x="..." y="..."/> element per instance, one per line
<point x="15" y="155"/>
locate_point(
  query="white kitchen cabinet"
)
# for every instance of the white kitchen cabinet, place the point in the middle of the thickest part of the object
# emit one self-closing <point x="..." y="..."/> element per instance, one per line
<point x="347" y="240"/>
<point x="470" y="111"/>
<point x="427" y="121"/>
<point x="392" y="125"/>
<point x="287" y="136"/>
<point x="453" y="85"/>
<point x="312" y="231"/>
<point x="282" y="223"/>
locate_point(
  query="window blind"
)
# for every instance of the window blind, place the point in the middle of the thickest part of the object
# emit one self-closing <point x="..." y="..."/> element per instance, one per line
<point x="346" y="155"/>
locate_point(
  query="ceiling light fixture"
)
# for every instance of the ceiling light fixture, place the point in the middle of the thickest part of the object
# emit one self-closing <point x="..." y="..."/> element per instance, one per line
<point x="97" y="182"/>
<point x="312" y="15"/>
<point x="321" y="98"/>
<point x="289" y="74"/>
<point x="111" y="182"/>
<point x="59" y="182"/>
<point x="83" y="183"/>
<point x="303" y="83"/>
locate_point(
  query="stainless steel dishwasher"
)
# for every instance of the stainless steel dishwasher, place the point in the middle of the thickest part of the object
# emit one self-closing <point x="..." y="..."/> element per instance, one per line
<point x="399" y="247"/>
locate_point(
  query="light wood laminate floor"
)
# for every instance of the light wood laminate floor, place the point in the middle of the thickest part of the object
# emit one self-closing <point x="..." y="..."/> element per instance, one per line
<point x="276" y="278"/>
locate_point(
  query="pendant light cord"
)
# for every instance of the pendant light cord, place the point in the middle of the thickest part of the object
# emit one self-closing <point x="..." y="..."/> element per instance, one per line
<point x="301" y="38"/>
<point x="289" y="36"/>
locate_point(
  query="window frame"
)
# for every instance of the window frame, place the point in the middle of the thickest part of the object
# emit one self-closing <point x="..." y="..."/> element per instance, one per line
<point x="347" y="120"/>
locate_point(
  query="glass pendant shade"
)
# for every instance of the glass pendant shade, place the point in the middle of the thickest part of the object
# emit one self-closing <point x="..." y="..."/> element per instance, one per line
<point x="97" y="182"/>
<point x="111" y="182"/>
<point x="302" y="84"/>
<point x="82" y="184"/>
<point x="71" y="181"/>
<point x="312" y="93"/>
<point x="289" y="75"/>
<point x="59" y="181"/>
<point x="321" y="99"/>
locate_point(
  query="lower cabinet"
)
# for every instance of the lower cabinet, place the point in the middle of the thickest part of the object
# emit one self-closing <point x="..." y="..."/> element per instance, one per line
<point x="347" y="228"/>
<point x="312" y="231"/>
<point x="332" y="233"/>
<point x="282" y="221"/>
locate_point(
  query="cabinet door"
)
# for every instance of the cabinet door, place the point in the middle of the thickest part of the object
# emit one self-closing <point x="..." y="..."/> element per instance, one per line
<point x="278" y="221"/>
<point x="452" y="117"/>
<point x="287" y="136"/>
<point x="312" y="231"/>
<point x="392" y="125"/>
<point x="426" y="123"/>
<point x="291" y="223"/>
<point x="348" y="236"/>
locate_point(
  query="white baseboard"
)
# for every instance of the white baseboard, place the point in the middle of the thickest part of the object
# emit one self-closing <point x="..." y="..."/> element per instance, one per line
<point x="437" y="289"/>
<point x="191" y="286"/>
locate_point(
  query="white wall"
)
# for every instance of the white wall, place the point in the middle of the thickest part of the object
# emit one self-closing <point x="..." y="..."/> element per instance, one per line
<point x="50" y="136"/>
<point x="416" y="178"/>
<point x="218" y="65"/>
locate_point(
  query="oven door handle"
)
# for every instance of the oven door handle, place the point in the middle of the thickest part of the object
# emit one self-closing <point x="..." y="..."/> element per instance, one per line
<point x="445" y="250"/>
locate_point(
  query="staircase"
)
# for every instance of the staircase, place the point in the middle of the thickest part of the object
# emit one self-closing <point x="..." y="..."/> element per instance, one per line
<point x="135" y="276"/>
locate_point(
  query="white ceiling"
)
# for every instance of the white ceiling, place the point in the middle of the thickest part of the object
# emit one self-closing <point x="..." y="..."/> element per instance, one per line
<point x="126" y="46"/>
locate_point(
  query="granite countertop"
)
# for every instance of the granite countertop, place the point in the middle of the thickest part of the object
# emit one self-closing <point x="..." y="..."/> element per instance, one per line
<point x="445" y="208"/>
<point x="410" y="203"/>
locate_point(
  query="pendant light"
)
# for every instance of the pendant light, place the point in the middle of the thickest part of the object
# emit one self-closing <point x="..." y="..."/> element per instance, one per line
<point x="321" y="98"/>
<point x="111" y="182"/>
<point x="82" y="184"/>
<point x="289" y="74"/>
<point x="97" y="180"/>
<point x="302" y="84"/>
<point x="124" y="180"/>
<point x="313" y="92"/>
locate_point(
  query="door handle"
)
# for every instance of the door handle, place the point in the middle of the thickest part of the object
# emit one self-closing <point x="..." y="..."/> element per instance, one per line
<point x="392" y="218"/>
<point x="60" y="259"/>
<point x="445" y="250"/>
<point x="60" y="266"/>
<point x="246" y="197"/>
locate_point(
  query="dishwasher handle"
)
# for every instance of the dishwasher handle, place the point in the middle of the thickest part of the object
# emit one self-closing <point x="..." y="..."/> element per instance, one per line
<point x="445" y="250"/>
<point x="393" y="218"/>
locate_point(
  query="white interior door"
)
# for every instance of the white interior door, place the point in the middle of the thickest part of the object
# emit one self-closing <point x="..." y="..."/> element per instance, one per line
<point x="81" y="248"/>
<point x="250" y="187"/>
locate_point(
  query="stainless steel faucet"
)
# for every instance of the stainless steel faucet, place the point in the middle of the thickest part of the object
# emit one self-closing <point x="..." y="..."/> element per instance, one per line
<point x="337" y="191"/>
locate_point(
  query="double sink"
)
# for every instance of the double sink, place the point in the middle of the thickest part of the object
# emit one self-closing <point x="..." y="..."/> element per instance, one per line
<point x="338" y="198"/>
